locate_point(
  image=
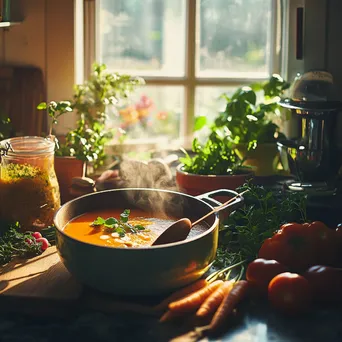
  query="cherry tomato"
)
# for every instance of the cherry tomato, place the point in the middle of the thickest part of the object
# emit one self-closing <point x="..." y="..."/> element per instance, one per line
<point x="289" y="293"/>
<point x="325" y="282"/>
<point x="36" y="235"/>
<point x="44" y="242"/>
<point x="261" y="271"/>
<point x="325" y="243"/>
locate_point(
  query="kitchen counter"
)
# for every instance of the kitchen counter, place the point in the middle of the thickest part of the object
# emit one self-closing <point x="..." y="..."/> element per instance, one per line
<point x="257" y="324"/>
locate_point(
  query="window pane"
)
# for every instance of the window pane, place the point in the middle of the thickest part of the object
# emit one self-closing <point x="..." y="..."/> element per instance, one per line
<point x="153" y="113"/>
<point x="208" y="103"/>
<point x="234" y="38"/>
<point x="142" y="37"/>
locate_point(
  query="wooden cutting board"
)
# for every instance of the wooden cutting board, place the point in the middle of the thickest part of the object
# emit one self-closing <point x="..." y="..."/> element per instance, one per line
<point x="42" y="285"/>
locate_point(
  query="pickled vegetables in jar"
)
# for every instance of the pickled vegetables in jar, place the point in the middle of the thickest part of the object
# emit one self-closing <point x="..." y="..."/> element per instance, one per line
<point x="29" y="190"/>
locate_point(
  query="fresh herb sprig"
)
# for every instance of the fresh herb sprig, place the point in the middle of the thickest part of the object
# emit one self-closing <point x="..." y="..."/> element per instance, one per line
<point x="120" y="226"/>
<point x="263" y="212"/>
<point x="14" y="243"/>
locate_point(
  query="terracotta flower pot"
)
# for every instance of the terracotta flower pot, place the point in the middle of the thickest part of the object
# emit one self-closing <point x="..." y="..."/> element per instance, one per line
<point x="263" y="159"/>
<point x="66" y="169"/>
<point x="194" y="185"/>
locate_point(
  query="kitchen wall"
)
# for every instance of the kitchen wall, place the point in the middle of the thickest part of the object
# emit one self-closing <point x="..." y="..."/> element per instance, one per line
<point x="44" y="39"/>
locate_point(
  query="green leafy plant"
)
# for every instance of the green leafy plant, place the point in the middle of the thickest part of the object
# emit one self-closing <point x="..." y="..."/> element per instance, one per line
<point x="215" y="157"/>
<point x="251" y="112"/>
<point x="90" y="102"/>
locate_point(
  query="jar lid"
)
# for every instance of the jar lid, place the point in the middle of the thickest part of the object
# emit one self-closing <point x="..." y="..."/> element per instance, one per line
<point x="27" y="145"/>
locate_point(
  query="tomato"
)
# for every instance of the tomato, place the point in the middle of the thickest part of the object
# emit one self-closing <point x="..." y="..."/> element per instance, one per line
<point x="325" y="243"/>
<point x="44" y="243"/>
<point x="325" y="282"/>
<point x="261" y="271"/>
<point x="291" y="228"/>
<point x="289" y="293"/>
<point x="274" y="248"/>
<point x="36" y="235"/>
<point x="291" y="246"/>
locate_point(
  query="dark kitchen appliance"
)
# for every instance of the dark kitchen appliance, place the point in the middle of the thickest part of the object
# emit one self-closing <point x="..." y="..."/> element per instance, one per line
<point x="313" y="158"/>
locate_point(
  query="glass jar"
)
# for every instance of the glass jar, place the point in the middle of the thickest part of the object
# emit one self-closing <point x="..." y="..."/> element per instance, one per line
<point x="29" y="191"/>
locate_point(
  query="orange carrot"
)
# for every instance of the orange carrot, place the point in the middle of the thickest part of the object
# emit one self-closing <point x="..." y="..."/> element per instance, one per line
<point x="210" y="305"/>
<point x="234" y="297"/>
<point x="193" y="301"/>
<point x="181" y="293"/>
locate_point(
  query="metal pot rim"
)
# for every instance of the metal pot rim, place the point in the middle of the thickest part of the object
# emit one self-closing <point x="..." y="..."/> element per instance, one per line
<point x="169" y="245"/>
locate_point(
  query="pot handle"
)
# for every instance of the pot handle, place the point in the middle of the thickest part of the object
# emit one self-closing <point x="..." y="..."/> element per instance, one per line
<point x="237" y="203"/>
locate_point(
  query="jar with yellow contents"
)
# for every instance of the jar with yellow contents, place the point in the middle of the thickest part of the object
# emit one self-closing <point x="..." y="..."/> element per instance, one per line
<point x="29" y="191"/>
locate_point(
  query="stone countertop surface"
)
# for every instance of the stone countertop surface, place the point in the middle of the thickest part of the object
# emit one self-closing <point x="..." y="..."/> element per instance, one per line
<point x="257" y="323"/>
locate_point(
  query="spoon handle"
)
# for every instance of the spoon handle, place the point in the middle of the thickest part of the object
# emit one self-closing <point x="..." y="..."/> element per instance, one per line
<point x="215" y="210"/>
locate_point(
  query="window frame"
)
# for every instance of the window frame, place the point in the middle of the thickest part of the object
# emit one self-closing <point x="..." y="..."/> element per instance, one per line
<point x="189" y="81"/>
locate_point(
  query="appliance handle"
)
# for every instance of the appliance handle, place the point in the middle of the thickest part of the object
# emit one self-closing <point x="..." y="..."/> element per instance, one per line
<point x="207" y="197"/>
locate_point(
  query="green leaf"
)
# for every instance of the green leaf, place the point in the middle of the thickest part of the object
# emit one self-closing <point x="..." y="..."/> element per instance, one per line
<point x="139" y="227"/>
<point x="110" y="222"/>
<point x="42" y="105"/>
<point x="200" y="122"/>
<point x="124" y="216"/>
<point x="98" y="222"/>
<point x="120" y="231"/>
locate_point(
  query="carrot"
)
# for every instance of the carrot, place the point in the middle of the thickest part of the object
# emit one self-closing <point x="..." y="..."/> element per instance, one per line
<point x="183" y="292"/>
<point x="235" y="296"/>
<point x="210" y="305"/>
<point x="194" y="300"/>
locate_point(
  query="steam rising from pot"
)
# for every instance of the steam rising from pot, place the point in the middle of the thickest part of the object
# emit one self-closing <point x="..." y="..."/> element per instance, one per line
<point x="155" y="174"/>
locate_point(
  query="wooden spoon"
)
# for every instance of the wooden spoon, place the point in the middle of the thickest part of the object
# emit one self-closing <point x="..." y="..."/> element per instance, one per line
<point x="180" y="229"/>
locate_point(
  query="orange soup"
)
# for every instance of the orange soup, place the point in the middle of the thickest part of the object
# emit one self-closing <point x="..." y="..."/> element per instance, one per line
<point x="121" y="228"/>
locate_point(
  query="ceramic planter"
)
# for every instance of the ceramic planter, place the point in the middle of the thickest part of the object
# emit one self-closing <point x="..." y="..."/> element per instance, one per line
<point x="263" y="159"/>
<point x="66" y="169"/>
<point x="194" y="185"/>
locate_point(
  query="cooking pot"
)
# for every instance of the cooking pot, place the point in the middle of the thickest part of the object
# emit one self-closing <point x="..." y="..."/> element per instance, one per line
<point x="145" y="270"/>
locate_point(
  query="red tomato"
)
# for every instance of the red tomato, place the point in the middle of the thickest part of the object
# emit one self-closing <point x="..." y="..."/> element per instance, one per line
<point x="274" y="248"/>
<point x="291" y="228"/>
<point x="325" y="282"/>
<point x="289" y="293"/>
<point x="261" y="271"/>
<point x="291" y="246"/>
<point x="44" y="243"/>
<point x="36" y="235"/>
<point x="325" y="243"/>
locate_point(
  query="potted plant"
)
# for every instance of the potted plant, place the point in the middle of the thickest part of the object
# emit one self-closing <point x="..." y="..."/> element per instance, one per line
<point x="252" y="116"/>
<point x="84" y="146"/>
<point x="211" y="165"/>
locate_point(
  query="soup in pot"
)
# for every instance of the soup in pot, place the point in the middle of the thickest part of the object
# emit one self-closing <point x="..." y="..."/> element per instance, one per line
<point x="122" y="228"/>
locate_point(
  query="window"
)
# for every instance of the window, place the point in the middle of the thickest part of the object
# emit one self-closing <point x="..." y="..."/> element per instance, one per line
<point x="188" y="51"/>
